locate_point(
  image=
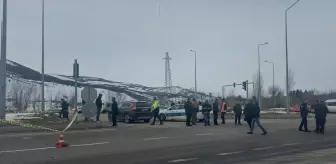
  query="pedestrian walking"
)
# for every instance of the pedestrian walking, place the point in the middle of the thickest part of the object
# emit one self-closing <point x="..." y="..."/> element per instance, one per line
<point x="255" y="115"/>
<point x="304" y="115"/>
<point x="195" y="106"/>
<point x="215" y="110"/>
<point x="188" y="111"/>
<point x="114" y="111"/>
<point x="155" y="111"/>
<point x="237" y="109"/>
<point x="320" y="111"/>
<point x="206" y="109"/>
<point x="99" y="104"/>
<point x="223" y="110"/>
<point x="248" y="113"/>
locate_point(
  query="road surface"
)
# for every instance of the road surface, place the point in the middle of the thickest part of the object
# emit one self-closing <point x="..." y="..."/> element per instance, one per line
<point x="174" y="143"/>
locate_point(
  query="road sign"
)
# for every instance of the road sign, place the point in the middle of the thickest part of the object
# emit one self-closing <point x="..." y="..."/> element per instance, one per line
<point x="89" y="94"/>
<point x="89" y="110"/>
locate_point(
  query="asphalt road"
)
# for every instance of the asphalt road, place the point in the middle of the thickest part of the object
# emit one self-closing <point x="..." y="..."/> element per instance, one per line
<point x="174" y="143"/>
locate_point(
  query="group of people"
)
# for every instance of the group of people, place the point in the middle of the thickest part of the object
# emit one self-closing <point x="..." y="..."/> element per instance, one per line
<point x="251" y="113"/>
<point x="320" y="110"/>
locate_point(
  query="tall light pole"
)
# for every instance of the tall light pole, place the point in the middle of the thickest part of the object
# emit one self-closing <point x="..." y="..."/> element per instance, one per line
<point x="287" y="85"/>
<point x="259" y="74"/>
<point x="3" y="61"/>
<point x="42" y="77"/>
<point x="195" y="75"/>
<point x="273" y="94"/>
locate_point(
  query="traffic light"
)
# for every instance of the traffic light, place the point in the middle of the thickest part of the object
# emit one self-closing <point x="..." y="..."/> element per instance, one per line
<point x="234" y="85"/>
<point x="244" y="85"/>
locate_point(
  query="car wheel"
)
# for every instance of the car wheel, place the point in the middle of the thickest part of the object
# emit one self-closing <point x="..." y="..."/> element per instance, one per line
<point x="127" y="119"/>
<point x="163" y="117"/>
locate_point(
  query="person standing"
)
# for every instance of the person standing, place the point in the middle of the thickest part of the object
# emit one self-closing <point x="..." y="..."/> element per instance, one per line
<point x="320" y="111"/>
<point x="223" y="110"/>
<point x="114" y="111"/>
<point x="206" y="109"/>
<point x="215" y="110"/>
<point x="188" y="111"/>
<point x="255" y="115"/>
<point x="237" y="109"/>
<point x="304" y="115"/>
<point x="99" y="104"/>
<point x="155" y="111"/>
<point x="195" y="106"/>
<point x="65" y="109"/>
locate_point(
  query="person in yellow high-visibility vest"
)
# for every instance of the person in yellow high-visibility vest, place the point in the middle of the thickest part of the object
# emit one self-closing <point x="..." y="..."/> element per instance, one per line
<point x="155" y="111"/>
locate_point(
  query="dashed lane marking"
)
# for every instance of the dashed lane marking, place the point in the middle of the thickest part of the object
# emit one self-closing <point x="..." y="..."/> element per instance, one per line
<point x="205" y="134"/>
<point x="156" y="138"/>
<point x="231" y="153"/>
<point x="281" y="152"/>
<point x="293" y="144"/>
<point x="182" y="160"/>
<point x="263" y="148"/>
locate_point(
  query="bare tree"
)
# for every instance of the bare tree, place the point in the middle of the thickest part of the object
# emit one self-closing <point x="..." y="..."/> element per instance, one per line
<point x="232" y="93"/>
<point x="256" y="84"/>
<point x="22" y="94"/>
<point x="291" y="80"/>
<point x="274" y="91"/>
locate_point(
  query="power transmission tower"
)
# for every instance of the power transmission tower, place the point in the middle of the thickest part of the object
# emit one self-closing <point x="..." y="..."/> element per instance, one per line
<point x="168" y="80"/>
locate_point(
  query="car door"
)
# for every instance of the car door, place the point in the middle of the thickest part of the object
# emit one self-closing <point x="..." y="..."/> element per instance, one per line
<point x="123" y="108"/>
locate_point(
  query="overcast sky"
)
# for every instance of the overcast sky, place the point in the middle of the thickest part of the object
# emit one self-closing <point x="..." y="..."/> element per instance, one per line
<point x="125" y="40"/>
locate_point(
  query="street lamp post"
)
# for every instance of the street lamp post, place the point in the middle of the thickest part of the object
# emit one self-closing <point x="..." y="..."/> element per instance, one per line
<point x="195" y="75"/>
<point x="259" y="74"/>
<point x="42" y="77"/>
<point x="287" y="85"/>
<point x="273" y="94"/>
<point x="3" y="61"/>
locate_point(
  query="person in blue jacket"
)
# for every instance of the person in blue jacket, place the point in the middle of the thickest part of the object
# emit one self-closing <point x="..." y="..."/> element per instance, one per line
<point x="304" y="115"/>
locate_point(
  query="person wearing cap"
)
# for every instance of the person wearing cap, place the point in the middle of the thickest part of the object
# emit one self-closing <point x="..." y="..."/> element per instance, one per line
<point x="215" y="109"/>
<point x="304" y="114"/>
<point x="99" y="104"/>
<point x="114" y="111"/>
<point x="155" y="111"/>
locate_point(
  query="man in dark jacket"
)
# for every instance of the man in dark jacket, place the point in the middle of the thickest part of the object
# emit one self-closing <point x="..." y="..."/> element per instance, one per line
<point x="99" y="104"/>
<point x="237" y="109"/>
<point x="304" y="114"/>
<point x="320" y="111"/>
<point x="248" y="112"/>
<point x="65" y="109"/>
<point x="114" y="112"/>
<point x="215" y="110"/>
<point x="206" y="109"/>
<point x="254" y="113"/>
<point x="188" y="111"/>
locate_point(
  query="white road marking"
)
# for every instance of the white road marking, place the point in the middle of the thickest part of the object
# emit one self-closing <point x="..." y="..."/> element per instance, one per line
<point x="292" y="144"/>
<point x="263" y="148"/>
<point x="157" y="138"/>
<point x="182" y="160"/>
<point x="46" y="148"/>
<point x="230" y="153"/>
<point x="90" y="144"/>
<point x="281" y="152"/>
<point x="205" y="134"/>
